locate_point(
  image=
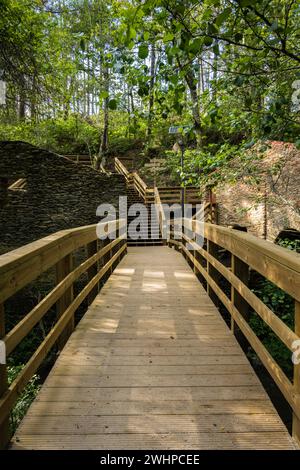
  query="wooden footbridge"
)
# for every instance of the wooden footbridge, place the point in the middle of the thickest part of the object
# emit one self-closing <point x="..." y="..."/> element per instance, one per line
<point x="151" y="364"/>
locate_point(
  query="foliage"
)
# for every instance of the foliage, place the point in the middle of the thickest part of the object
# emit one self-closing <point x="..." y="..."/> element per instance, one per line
<point x="205" y="167"/>
<point x="283" y="306"/>
<point x="293" y="245"/>
<point x="227" y="69"/>
<point x="26" y="397"/>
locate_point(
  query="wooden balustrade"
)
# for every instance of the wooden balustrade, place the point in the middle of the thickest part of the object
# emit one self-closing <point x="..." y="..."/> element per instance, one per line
<point x="120" y="168"/>
<point x="277" y="264"/>
<point x="168" y="195"/>
<point x="22" y="266"/>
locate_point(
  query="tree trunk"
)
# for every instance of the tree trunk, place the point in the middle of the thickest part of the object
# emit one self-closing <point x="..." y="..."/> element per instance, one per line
<point x="151" y="93"/>
<point x="21" y="106"/>
<point x="192" y="85"/>
<point x="101" y="158"/>
<point x="133" y="112"/>
<point x="191" y="81"/>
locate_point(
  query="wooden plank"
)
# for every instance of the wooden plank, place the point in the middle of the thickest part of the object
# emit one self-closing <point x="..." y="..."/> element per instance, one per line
<point x="272" y="261"/>
<point x="296" y="383"/>
<point x="4" y="427"/>
<point x="212" y="249"/>
<point x="140" y="351"/>
<point x="83" y="359"/>
<point x="240" y="270"/>
<point x="99" y="381"/>
<point x="9" y="398"/>
<point x="278" y="326"/>
<point x="16" y="334"/>
<point x="158" y="424"/>
<point x="72" y="369"/>
<point x="150" y="394"/>
<point x="92" y="249"/>
<point x="189" y="441"/>
<point x="270" y="364"/>
<point x="63" y="268"/>
<point x="158" y="407"/>
<point x="164" y="389"/>
<point x="21" y="266"/>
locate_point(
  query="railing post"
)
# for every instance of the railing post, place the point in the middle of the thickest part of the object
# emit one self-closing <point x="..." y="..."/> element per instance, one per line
<point x="212" y="249"/>
<point x="63" y="268"/>
<point x="296" y="419"/>
<point x="241" y="270"/>
<point x="106" y="259"/>
<point x="92" y="249"/>
<point x="4" y="426"/>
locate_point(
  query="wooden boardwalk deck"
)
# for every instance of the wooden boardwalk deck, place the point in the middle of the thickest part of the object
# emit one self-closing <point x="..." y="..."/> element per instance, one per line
<point x="152" y="365"/>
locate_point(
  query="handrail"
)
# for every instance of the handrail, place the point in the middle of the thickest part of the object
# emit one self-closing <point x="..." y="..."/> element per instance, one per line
<point x="23" y="265"/>
<point x="276" y="264"/>
<point x="122" y="169"/>
<point x="19" y="184"/>
<point x="169" y="195"/>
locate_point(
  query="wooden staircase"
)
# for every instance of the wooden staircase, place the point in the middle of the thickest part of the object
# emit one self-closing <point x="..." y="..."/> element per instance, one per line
<point x="150" y="234"/>
<point x="139" y="192"/>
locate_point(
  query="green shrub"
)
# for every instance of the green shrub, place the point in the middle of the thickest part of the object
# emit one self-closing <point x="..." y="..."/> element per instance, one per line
<point x="26" y="397"/>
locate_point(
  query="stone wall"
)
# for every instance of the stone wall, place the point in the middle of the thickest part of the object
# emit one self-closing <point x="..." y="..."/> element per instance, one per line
<point x="267" y="199"/>
<point x="58" y="194"/>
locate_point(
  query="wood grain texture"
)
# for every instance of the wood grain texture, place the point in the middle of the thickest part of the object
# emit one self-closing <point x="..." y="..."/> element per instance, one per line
<point x="152" y="365"/>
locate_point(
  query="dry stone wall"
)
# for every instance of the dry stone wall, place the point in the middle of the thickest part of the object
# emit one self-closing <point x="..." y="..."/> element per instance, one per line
<point x="58" y="194"/>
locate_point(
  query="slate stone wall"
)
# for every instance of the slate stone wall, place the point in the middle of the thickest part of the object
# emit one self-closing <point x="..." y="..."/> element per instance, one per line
<point x="58" y="194"/>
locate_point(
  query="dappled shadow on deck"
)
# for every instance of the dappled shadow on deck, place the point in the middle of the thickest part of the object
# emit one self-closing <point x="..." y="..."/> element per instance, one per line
<point x="152" y="365"/>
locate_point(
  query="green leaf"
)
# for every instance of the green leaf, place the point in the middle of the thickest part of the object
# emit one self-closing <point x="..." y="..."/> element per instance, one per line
<point x="112" y="104"/>
<point x="143" y="90"/>
<point x="196" y="45"/>
<point x="143" y="51"/>
<point x="208" y="41"/>
<point x="222" y="16"/>
<point x="132" y="33"/>
<point x="146" y="35"/>
<point x="238" y="37"/>
<point x="238" y="81"/>
<point x="245" y="3"/>
<point x="168" y="37"/>
<point x="82" y="44"/>
<point x="216" y="49"/>
<point x="104" y="94"/>
<point x="248" y="101"/>
<point x="274" y="26"/>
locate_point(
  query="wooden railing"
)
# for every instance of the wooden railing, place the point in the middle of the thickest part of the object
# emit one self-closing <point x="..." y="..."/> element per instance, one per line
<point x="160" y="213"/>
<point x="141" y="187"/>
<point x="168" y="195"/>
<point x="84" y="159"/>
<point x="172" y="195"/>
<point x="276" y="264"/>
<point x="120" y="168"/>
<point x="20" y="267"/>
<point x="19" y="184"/>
